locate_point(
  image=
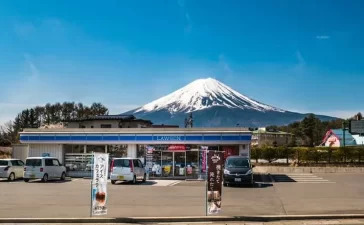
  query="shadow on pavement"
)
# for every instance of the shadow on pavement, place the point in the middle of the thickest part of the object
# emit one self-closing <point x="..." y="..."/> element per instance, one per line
<point x="149" y="182"/>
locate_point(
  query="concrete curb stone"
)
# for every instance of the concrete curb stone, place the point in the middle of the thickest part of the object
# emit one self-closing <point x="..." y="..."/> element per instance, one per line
<point x="184" y="219"/>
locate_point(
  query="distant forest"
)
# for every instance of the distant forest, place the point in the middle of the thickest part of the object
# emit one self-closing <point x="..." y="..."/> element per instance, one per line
<point x="308" y="132"/>
<point x="46" y="115"/>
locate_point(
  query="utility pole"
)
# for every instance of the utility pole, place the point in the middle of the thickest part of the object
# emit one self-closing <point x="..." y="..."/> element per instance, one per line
<point x="344" y="129"/>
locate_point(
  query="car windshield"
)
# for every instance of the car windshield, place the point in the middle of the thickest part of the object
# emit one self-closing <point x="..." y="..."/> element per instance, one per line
<point x="237" y="162"/>
<point x="3" y="163"/>
<point x="33" y="162"/>
<point x="121" y="163"/>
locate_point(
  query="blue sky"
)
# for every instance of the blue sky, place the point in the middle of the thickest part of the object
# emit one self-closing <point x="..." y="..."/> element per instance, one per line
<point x="305" y="56"/>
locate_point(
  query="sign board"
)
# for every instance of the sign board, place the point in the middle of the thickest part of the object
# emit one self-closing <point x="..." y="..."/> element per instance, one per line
<point x="215" y="162"/>
<point x="356" y="127"/>
<point x="99" y="184"/>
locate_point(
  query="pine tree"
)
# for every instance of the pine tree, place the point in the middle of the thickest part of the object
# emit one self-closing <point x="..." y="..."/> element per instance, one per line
<point x="32" y="119"/>
<point x="25" y="119"/>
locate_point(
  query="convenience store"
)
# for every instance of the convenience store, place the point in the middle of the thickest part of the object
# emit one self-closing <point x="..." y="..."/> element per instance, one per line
<point x="168" y="152"/>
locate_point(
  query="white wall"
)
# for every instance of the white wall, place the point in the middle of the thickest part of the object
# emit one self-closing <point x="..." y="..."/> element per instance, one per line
<point x="55" y="150"/>
<point x="20" y="151"/>
<point x="244" y="150"/>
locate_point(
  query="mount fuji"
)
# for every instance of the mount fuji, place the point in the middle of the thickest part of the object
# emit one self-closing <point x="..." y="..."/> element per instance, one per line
<point x="214" y="104"/>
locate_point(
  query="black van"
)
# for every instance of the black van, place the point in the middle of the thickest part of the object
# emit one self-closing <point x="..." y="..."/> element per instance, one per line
<point x="238" y="170"/>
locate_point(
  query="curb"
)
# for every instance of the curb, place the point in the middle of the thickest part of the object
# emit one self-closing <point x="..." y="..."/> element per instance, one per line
<point x="182" y="219"/>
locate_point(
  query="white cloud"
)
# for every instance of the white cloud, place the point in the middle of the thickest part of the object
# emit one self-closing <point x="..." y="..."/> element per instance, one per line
<point x="224" y="64"/>
<point x="323" y="37"/>
<point x="182" y="5"/>
<point x="33" y="69"/>
<point x="300" y="59"/>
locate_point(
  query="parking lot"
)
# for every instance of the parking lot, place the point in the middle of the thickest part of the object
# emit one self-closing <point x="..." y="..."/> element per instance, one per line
<point x="305" y="194"/>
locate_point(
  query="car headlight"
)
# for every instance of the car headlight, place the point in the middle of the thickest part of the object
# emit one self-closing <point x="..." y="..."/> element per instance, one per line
<point x="249" y="172"/>
<point x="226" y="171"/>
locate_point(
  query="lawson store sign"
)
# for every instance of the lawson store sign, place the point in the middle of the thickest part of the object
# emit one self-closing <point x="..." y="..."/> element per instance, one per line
<point x="82" y="138"/>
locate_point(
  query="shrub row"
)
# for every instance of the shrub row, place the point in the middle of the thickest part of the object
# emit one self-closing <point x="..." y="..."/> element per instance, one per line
<point x="310" y="155"/>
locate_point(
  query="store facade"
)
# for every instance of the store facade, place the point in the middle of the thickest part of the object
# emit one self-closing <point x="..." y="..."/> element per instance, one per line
<point x="167" y="153"/>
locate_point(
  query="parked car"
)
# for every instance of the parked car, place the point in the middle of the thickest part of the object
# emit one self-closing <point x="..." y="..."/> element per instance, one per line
<point x="11" y="169"/>
<point x="44" y="168"/>
<point x="127" y="169"/>
<point x="238" y="170"/>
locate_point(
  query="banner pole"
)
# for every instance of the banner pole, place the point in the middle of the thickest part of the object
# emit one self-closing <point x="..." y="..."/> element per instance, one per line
<point x="92" y="176"/>
<point x="206" y="184"/>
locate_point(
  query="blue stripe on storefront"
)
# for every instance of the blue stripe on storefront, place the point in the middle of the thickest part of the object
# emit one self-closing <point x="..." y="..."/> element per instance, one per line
<point x="230" y="138"/>
<point x="110" y="138"/>
<point x="94" y="138"/>
<point x="194" y="138"/>
<point x="63" y="138"/>
<point x="212" y="138"/>
<point x="144" y="138"/>
<point x="46" y="138"/>
<point x="33" y="138"/>
<point x="24" y="138"/>
<point x="136" y="138"/>
<point x="245" y="137"/>
<point x="126" y="138"/>
<point x="78" y="138"/>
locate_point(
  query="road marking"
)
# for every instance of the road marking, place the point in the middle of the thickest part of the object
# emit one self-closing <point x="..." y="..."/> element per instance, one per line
<point x="301" y="178"/>
<point x="174" y="183"/>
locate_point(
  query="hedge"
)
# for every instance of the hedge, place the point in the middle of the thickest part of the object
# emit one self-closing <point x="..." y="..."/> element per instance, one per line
<point x="309" y="155"/>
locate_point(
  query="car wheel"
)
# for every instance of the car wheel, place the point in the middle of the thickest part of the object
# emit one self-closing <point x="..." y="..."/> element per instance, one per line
<point x="26" y="180"/>
<point x="11" y="177"/>
<point x="45" y="178"/>
<point x="63" y="176"/>
<point x="225" y="184"/>
<point x="134" y="180"/>
<point x="145" y="177"/>
<point x="113" y="181"/>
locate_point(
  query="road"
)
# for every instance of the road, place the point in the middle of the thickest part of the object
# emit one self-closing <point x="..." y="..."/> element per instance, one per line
<point x="321" y="194"/>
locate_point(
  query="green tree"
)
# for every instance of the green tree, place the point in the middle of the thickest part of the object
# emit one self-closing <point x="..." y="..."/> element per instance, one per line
<point x="25" y="118"/>
<point x="32" y="119"/>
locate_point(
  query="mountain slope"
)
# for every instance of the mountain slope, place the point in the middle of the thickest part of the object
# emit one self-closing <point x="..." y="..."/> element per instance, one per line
<point x="214" y="104"/>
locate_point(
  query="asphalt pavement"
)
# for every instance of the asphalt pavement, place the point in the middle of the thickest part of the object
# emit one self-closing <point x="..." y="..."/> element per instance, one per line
<point x="342" y="194"/>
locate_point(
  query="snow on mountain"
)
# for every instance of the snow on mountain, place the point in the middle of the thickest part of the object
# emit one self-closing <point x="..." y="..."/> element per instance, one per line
<point x="203" y="94"/>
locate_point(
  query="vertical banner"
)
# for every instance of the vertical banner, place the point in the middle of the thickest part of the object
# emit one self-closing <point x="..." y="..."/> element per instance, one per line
<point x="99" y="184"/>
<point x="214" y="181"/>
<point x="203" y="158"/>
<point x="149" y="159"/>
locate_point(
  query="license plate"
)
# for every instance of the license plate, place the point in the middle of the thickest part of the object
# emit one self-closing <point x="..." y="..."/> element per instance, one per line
<point x="238" y="179"/>
<point x="120" y="177"/>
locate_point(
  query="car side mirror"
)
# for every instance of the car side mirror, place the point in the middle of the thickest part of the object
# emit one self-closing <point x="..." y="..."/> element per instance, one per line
<point x="60" y="164"/>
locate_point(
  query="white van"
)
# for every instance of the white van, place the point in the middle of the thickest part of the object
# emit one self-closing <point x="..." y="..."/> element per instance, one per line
<point x="11" y="169"/>
<point x="44" y="168"/>
<point x="127" y="169"/>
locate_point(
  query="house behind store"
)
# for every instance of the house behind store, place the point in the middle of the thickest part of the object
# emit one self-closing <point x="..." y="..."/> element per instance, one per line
<point x="270" y="137"/>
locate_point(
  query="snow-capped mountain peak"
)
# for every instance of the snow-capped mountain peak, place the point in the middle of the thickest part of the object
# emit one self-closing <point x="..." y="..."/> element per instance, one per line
<point x="204" y="93"/>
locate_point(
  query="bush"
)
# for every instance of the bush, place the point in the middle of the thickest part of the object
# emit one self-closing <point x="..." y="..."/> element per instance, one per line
<point x="270" y="154"/>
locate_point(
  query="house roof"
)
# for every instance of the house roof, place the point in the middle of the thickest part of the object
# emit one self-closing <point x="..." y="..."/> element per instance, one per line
<point x="259" y="131"/>
<point x="349" y="139"/>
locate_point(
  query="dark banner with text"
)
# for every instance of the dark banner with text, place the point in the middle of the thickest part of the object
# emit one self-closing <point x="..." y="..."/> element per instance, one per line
<point x="214" y="181"/>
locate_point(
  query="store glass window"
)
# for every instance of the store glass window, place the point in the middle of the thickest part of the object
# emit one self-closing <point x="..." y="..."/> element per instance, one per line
<point x="141" y="151"/>
<point x="95" y="148"/>
<point x="117" y="151"/>
<point x="73" y="148"/>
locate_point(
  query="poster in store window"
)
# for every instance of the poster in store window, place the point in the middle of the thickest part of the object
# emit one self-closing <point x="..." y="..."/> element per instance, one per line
<point x="214" y="181"/>
<point x="203" y="158"/>
<point x="99" y="184"/>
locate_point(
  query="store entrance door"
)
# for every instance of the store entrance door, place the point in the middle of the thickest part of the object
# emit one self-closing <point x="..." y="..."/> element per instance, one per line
<point x="179" y="164"/>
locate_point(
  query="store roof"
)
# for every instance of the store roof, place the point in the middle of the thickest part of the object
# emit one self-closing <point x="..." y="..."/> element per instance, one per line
<point x="108" y="117"/>
<point x="139" y="130"/>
